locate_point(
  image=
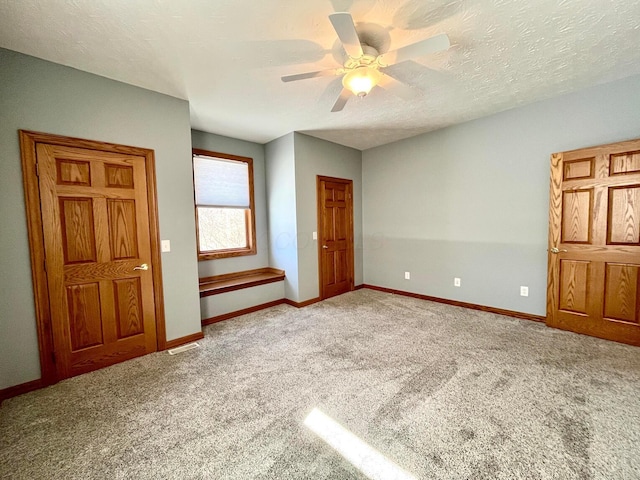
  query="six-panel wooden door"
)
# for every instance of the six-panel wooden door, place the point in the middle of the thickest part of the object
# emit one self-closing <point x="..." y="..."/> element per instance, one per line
<point x="335" y="225"/>
<point x="594" y="242"/>
<point x="95" y="221"/>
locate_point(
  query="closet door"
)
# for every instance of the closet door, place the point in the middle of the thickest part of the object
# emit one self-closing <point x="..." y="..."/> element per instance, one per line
<point x="594" y="242"/>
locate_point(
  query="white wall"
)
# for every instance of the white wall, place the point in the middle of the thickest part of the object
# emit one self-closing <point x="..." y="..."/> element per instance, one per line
<point x="471" y="201"/>
<point x="46" y="97"/>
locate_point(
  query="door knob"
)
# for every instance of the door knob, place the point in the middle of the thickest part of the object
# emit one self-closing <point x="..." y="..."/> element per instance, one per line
<point x="144" y="266"/>
<point x="324" y="246"/>
<point x="556" y="250"/>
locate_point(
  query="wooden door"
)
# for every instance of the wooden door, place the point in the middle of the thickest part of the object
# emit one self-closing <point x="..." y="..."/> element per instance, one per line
<point x="594" y="242"/>
<point x="99" y="265"/>
<point x="335" y="242"/>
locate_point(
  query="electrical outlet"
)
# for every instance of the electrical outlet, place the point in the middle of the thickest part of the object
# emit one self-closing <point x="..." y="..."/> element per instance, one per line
<point x="524" y="291"/>
<point x="456" y="282"/>
<point x="165" y="245"/>
<point x="407" y="275"/>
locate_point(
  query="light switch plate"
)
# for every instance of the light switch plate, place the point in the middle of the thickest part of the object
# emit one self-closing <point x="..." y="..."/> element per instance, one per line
<point x="165" y="245"/>
<point x="315" y="235"/>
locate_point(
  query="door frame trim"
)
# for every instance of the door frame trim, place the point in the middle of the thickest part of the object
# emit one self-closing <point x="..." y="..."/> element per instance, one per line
<point x="28" y="142"/>
<point x="350" y="252"/>
<point x="555" y="209"/>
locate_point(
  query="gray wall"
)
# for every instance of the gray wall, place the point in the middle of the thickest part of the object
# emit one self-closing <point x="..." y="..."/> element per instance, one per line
<point x="293" y="162"/>
<point x="222" y="303"/>
<point x="471" y="201"/>
<point x="320" y="157"/>
<point x="233" y="301"/>
<point x="281" y="206"/>
<point x="42" y="96"/>
<point x="232" y="146"/>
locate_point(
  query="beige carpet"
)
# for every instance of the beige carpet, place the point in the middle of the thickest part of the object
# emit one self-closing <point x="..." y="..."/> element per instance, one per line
<point x="443" y="392"/>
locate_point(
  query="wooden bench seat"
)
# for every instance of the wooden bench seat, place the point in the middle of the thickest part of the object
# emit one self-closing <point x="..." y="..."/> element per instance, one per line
<point x="239" y="280"/>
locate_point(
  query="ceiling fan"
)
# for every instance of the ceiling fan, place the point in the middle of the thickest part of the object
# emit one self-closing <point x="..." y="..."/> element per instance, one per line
<point x="365" y="66"/>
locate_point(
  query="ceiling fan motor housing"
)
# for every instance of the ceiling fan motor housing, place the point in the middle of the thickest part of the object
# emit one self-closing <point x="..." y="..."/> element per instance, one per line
<point x="369" y="58"/>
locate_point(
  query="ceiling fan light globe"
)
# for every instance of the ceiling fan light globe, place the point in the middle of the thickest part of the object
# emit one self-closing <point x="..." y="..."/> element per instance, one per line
<point x="361" y="80"/>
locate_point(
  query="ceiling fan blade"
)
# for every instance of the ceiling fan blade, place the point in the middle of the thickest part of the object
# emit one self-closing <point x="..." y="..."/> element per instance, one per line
<point x="343" y="24"/>
<point x="423" y="47"/>
<point x="341" y="101"/>
<point x="398" y="88"/>
<point x="303" y="76"/>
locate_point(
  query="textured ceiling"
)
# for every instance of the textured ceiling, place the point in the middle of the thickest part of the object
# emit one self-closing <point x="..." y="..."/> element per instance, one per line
<point x="226" y="57"/>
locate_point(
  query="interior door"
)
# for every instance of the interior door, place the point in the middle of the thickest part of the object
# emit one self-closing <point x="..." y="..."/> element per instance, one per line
<point x="594" y="242"/>
<point x="95" y="223"/>
<point x="335" y="219"/>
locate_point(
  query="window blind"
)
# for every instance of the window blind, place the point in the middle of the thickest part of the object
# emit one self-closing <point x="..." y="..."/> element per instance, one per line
<point x="220" y="182"/>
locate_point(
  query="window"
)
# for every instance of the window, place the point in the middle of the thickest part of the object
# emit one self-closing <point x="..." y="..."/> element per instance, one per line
<point x="225" y="224"/>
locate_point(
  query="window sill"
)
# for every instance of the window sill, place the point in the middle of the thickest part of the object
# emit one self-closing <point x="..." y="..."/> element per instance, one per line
<point x="239" y="252"/>
<point x="239" y="280"/>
